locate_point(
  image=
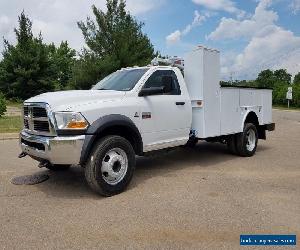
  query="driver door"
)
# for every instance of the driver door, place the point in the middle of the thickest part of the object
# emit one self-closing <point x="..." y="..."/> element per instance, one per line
<point x="165" y="117"/>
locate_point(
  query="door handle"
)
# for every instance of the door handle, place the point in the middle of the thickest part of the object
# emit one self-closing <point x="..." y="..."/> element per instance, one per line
<point x="180" y="103"/>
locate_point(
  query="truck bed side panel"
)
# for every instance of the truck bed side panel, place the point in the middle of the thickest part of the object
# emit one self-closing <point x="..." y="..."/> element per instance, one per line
<point x="237" y="103"/>
<point x="230" y="111"/>
<point x="250" y="97"/>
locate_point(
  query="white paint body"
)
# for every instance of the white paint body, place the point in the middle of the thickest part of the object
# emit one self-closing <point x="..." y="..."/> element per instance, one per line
<point x="223" y="110"/>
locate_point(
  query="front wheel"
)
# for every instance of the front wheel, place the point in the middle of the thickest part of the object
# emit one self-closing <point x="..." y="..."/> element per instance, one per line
<point x="247" y="141"/>
<point x="110" y="167"/>
<point x="192" y="142"/>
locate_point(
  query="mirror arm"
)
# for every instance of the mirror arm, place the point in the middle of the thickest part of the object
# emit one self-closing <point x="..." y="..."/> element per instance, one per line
<point x="151" y="91"/>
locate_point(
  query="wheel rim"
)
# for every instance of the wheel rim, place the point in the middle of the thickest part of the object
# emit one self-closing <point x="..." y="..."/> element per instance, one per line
<point x="251" y="140"/>
<point x="114" y="166"/>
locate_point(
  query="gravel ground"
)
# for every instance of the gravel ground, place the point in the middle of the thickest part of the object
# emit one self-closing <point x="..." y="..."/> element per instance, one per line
<point x="202" y="198"/>
<point x="8" y="136"/>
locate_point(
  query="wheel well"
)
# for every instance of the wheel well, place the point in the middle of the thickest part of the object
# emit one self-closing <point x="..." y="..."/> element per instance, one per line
<point x="125" y="132"/>
<point x="111" y="125"/>
<point x="252" y="118"/>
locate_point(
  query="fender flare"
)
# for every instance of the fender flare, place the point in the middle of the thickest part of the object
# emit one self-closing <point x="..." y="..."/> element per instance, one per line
<point x="106" y="122"/>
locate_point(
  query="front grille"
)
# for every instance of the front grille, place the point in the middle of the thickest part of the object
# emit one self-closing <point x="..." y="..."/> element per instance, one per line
<point x="41" y="126"/>
<point x="36" y="120"/>
<point x="25" y="110"/>
<point x="26" y="124"/>
<point x="39" y="112"/>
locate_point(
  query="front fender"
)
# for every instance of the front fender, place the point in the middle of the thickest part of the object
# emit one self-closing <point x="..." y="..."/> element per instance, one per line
<point x="103" y="123"/>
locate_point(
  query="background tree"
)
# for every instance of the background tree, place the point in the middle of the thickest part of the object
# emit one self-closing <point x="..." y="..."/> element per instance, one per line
<point x="281" y="75"/>
<point x="32" y="67"/>
<point x="115" y="40"/>
<point x="26" y="67"/>
<point x="297" y="78"/>
<point x="86" y="71"/>
<point x="296" y="90"/>
<point x="62" y="61"/>
<point x="2" y="104"/>
<point x="266" y="79"/>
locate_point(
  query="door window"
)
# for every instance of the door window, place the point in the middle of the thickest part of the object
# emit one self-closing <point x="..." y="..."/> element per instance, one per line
<point x="166" y="79"/>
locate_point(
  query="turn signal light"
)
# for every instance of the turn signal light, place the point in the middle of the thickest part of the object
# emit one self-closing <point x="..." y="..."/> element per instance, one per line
<point x="77" y="125"/>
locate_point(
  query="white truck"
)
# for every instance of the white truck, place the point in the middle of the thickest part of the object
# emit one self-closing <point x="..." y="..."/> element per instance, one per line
<point x="141" y="109"/>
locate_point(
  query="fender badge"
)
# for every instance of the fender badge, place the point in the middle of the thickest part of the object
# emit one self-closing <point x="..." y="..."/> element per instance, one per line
<point x="146" y="115"/>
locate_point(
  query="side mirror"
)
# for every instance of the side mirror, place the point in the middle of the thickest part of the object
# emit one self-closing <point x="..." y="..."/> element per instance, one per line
<point x="151" y="91"/>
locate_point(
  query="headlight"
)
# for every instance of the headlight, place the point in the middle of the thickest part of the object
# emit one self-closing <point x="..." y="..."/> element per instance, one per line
<point x="70" y="120"/>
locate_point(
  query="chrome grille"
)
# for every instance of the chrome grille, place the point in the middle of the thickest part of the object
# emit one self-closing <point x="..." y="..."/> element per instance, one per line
<point x="36" y="120"/>
<point x="41" y="126"/>
<point x="25" y="110"/>
<point x="26" y="124"/>
<point x="39" y="112"/>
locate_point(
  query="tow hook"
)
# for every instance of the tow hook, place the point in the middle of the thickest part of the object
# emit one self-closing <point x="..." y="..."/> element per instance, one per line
<point x="44" y="164"/>
<point x="22" y="155"/>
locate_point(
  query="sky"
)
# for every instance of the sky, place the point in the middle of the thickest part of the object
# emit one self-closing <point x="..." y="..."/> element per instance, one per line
<point x="251" y="35"/>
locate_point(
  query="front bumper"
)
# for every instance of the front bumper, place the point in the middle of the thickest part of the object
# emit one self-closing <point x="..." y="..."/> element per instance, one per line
<point x="56" y="150"/>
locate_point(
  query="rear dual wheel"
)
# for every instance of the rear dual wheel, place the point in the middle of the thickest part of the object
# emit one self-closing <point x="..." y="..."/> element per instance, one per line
<point x="245" y="143"/>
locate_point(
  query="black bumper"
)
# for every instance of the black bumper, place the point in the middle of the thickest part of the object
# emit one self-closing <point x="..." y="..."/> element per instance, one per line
<point x="270" y="127"/>
<point x="263" y="128"/>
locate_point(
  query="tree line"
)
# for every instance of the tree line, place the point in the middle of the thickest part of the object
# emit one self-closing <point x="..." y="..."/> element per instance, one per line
<point x="114" y="39"/>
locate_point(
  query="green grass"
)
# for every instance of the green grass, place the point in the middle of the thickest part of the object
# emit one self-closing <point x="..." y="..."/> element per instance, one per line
<point x="17" y="104"/>
<point x="10" y="124"/>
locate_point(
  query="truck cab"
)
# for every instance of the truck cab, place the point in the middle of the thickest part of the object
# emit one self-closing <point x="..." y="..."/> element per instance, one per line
<point x="137" y="110"/>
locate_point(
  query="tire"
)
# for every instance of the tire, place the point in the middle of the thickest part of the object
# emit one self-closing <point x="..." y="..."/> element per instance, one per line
<point x="191" y="143"/>
<point x="247" y="141"/>
<point x="57" y="168"/>
<point x="110" y="166"/>
<point x="231" y="144"/>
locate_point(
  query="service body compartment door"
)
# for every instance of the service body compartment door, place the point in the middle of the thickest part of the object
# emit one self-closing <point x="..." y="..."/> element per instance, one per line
<point x="231" y="118"/>
<point x="267" y="106"/>
<point x="250" y="97"/>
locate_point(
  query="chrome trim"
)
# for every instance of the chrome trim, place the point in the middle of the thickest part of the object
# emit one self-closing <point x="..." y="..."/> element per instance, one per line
<point x="58" y="150"/>
<point x="31" y="119"/>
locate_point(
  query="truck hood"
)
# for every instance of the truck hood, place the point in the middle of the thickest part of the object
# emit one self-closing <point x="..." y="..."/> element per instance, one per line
<point x="73" y="99"/>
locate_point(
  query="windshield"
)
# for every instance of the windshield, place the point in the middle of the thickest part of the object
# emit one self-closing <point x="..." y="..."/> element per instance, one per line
<point x="122" y="80"/>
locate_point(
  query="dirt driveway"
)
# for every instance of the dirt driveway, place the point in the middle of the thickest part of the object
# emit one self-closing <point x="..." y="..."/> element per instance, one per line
<point x="202" y="198"/>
